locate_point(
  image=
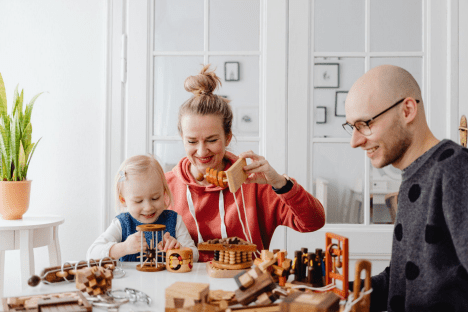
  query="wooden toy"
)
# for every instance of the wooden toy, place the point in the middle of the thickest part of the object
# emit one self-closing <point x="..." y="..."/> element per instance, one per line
<point x="314" y="302"/>
<point x="276" y="264"/>
<point x="234" y="176"/>
<point x="231" y="253"/>
<point x="255" y="285"/>
<point x="336" y="257"/>
<point x="94" y="281"/>
<point x="151" y="264"/>
<point x="67" y="301"/>
<point x="67" y="271"/>
<point x="179" y="260"/>
<point x="185" y="294"/>
<point x="307" y="268"/>
<point x="362" y="305"/>
<point x="217" y="297"/>
<point x="463" y="130"/>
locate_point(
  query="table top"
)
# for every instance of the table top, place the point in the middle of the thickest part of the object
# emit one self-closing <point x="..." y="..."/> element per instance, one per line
<point x="31" y="222"/>
<point x="151" y="283"/>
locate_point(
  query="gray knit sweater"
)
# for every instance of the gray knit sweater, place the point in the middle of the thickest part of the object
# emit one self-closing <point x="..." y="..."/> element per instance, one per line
<point x="428" y="270"/>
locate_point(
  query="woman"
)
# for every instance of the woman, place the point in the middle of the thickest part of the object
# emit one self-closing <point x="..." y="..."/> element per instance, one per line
<point x="265" y="201"/>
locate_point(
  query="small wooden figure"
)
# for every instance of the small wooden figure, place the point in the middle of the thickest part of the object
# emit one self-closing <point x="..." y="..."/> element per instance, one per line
<point x="314" y="302"/>
<point x="94" y="280"/>
<point x="68" y="301"/>
<point x="337" y="258"/>
<point x="234" y="176"/>
<point x="276" y="264"/>
<point x="179" y="260"/>
<point x="362" y="305"/>
<point x="151" y="264"/>
<point x="231" y="253"/>
<point x="255" y="285"/>
<point x="185" y="294"/>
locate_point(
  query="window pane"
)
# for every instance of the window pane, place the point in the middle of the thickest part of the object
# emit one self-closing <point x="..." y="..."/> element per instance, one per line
<point x="168" y="153"/>
<point x="237" y="147"/>
<point x="244" y="94"/>
<point x="338" y="173"/>
<point x="178" y="25"/>
<point x="395" y="25"/>
<point x="339" y="26"/>
<point x="170" y="73"/>
<point x="350" y="69"/>
<point x="385" y="184"/>
<point x="234" y="25"/>
<point x="412" y="64"/>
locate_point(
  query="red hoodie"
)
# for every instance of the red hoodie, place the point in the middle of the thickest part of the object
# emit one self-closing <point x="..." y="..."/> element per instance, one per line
<point x="266" y="210"/>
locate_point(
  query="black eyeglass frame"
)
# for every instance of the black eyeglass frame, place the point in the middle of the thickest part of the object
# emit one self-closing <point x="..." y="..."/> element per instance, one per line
<point x="367" y="122"/>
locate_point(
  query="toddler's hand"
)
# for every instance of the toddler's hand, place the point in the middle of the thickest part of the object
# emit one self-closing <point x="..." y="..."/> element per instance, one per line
<point x="169" y="242"/>
<point x="133" y="244"/>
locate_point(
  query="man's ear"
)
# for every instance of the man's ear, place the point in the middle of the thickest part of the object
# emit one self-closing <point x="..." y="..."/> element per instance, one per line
<point x="122" y="200"/>
<point x="410" y="109"/>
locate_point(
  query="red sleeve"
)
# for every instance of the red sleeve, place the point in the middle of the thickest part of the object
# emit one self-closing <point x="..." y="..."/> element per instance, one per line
<point x="296" y="209"/>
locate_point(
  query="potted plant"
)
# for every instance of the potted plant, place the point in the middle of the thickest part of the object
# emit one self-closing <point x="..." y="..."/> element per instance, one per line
<point x="16" y="150"/>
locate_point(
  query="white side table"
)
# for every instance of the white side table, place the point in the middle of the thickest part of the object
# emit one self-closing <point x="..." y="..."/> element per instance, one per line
<point x="26" y="234"/>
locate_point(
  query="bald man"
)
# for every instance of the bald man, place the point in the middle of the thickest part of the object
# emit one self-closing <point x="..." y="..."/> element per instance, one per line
<point x="428" y="269"/>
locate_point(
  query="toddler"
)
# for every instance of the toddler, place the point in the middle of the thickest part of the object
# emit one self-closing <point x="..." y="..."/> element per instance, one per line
<point x="141" y="189"/>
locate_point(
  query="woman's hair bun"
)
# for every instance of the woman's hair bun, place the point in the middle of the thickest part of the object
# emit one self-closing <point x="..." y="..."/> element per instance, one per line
<point x="204" y="83"/>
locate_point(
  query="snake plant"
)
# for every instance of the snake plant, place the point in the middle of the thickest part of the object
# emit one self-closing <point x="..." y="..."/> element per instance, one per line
<point x="16" y="148"/>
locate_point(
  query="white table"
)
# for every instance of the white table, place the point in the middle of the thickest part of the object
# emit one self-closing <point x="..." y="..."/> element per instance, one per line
<point x="26" y="234"/>
<point x="153" y="284"/>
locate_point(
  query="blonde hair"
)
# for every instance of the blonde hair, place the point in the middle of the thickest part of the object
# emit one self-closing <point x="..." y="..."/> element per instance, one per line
<point x="203" y="101"/>
<point x="138" y="165"/>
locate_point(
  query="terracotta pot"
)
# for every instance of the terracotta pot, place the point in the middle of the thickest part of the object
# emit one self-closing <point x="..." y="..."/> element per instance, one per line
<point x="14" y="199"/>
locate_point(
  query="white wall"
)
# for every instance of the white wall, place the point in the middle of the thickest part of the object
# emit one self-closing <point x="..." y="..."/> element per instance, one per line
<point x="60" y="47"/>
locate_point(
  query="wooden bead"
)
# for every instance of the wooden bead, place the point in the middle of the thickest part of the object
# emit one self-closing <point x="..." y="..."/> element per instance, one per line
<point x="62" y="274"/>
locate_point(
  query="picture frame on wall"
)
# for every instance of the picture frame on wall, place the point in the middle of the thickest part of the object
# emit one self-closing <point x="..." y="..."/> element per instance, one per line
<point x="340" y="98"/>
<point x="231" y="71"/>
<point x="320" y="115"/>
<point x="326" y="75"/>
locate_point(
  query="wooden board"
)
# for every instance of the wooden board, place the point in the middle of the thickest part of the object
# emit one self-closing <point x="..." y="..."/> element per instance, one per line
<point x="236" y="175"/>
<point x="227" y="247"/>
<point x="220" y="273"/>
<point x="61" y="298"/>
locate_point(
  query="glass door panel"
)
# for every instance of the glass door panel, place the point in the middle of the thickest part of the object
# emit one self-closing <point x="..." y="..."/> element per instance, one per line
<point x="338" y="181"/>
<point x="333" y="77"/>
<point x="170" y="73"/>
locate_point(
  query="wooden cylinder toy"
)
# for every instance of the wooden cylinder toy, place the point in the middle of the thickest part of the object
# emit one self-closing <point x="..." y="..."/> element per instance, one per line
<point x="179" y="260"/>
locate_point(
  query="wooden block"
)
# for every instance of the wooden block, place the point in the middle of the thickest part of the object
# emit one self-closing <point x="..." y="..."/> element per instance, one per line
<point x="236" y="175"/>
<point x="244" y="281"/>
<point x="263" y="282"/>
<point x="256" y="308"/>
<point x="265" y="264"/>
<point x="313" y="302"/>
<point x="267" y="255"/>
<point x="266" y="298"/>
<point x="185" y="294"/>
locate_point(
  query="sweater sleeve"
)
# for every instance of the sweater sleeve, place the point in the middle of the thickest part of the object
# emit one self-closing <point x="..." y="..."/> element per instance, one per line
<point x="184" y="238"/>
<point x="102" y="245"/>
<point x="454" y="205"/>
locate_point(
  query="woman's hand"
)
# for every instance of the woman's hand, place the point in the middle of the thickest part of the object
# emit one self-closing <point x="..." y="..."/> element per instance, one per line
<point x="261" y="172"/>
<point x="133" y="244"/>
<point x="168" y="242"/>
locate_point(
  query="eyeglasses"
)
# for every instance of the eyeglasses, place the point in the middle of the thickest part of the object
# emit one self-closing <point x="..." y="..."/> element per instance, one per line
<point x="363" y="126"/>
